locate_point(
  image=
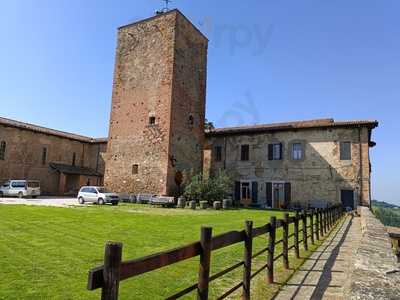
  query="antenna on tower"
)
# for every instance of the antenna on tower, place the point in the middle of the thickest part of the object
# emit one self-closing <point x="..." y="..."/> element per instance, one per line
<point x="166" y="7"/>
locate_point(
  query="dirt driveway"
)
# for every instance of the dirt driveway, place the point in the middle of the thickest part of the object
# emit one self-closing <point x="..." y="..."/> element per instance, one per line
<point x="46" y="201"/>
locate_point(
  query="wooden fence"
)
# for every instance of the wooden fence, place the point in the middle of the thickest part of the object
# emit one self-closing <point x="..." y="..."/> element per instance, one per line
<point x="314" y="225"/>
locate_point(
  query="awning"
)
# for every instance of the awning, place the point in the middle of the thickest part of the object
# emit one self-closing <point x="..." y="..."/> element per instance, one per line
<point x="74" y="170"/>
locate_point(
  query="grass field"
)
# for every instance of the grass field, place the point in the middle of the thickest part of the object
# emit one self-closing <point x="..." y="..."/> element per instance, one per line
<point x="46" y="252"/>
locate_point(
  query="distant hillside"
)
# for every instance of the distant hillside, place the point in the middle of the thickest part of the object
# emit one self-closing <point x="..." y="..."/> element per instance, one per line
<point x="389" y="214"/>
<point x="383" y="204"/>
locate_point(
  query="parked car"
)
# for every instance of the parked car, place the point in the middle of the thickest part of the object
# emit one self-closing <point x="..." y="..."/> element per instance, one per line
<point x="20" y="188"/>
<point x="144" y="198"/>
<point x="97" y="194"/>
<point x="163" y="201"/>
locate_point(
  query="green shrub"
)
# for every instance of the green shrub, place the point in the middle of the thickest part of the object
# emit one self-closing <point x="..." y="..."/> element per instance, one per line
<point x="210" y="189"/>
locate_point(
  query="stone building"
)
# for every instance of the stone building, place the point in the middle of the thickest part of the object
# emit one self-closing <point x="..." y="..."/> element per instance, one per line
<point x="158" y="105"/>
<point x="61" y="161"/>
<point x="308" y="163"/>
<point x="157" y="135"/>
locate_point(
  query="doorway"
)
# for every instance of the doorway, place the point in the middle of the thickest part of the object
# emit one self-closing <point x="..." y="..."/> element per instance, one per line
<point x="245" y="193"/>
<point x="278" y="191"/>
<point x="347" y="197"/>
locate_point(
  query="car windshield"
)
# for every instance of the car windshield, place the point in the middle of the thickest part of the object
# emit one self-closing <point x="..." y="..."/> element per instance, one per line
<point x="103" y="190"/>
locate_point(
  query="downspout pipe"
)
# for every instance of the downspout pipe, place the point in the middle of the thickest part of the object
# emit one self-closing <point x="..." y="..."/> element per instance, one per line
<point x="361" y="173"/>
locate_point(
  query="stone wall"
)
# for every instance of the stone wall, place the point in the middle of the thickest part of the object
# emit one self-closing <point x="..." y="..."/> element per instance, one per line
<point x="320" y="175"/>
<point x="376" y="273"/>
<point x="23" y="157"/>
<point x="159" y="82"/>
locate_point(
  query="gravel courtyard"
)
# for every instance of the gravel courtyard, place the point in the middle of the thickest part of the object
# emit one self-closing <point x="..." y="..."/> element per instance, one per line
<point x="44" y="201"/>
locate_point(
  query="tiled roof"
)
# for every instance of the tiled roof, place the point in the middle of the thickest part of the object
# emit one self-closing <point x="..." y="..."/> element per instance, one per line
<point x="74" y="170"/>
<point x="296" y="125"/>
<point x="44" y="130"/>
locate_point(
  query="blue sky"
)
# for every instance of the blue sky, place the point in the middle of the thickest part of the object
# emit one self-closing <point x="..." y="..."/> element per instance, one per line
<point x="268" y="61"/>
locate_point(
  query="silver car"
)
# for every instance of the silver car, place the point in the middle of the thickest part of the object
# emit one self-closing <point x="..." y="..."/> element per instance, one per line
<point x="20" y="188"/>
<point x="97" y="194"/>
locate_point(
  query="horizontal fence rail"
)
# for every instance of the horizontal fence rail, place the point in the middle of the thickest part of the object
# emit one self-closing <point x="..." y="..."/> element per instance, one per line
<point x="314" y="225"/>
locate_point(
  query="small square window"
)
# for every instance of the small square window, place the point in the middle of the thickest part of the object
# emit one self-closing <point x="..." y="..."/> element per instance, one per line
<point x="135" y="169"/>
<point x="152" y="120"/>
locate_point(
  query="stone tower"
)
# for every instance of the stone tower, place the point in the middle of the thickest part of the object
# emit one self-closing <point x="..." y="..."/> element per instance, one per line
<point x="158" y="105"/>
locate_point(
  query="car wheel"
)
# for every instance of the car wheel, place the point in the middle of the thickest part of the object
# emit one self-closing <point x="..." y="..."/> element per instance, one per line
<point x="100" y="201"/>
<point x="34" y="197"/>
<point x="114" y="203"/>
<point x="20" y="195"/>
<point x="1" y="195"/>
<point x="81" y="200"/>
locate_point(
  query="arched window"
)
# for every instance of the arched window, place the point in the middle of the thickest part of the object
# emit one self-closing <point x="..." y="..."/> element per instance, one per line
<point x="3" y="146"/>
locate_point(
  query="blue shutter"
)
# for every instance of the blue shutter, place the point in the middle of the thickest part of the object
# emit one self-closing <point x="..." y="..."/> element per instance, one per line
<point x="254" y="192"/>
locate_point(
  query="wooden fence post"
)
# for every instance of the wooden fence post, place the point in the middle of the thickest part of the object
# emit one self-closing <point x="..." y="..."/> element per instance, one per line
<point x="248" y="252"/>
<point x="296" y="235"/>
<point x="312" y="227"/>
<point x="326" y="220"/>
<point x="204" y="268"/>
<point x="271" y="250"/>
<point x="285" y="239"/>
<point x="317" y="224"/>
<point x="305" y="233"/>
<point x="321" y="223"/>
<point x="112" y="263"/>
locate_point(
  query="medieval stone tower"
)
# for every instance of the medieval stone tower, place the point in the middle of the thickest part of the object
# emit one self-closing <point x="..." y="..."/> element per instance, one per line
<point x="158" y="105"/>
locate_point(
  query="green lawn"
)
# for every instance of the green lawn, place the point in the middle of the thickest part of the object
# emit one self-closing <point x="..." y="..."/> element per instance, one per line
<point x="46" y="252"/>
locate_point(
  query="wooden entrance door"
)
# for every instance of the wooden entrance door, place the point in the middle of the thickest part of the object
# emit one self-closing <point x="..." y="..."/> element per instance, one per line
<point x="347" y="197"/>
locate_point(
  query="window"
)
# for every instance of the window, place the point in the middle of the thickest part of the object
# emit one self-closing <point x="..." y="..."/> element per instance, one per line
<point x="245" y="152"/>
<point x="152" y="120"/>
<point x="18" y="184"/>
<point x="44" y="156"/>
<point x="73" y="158"/>
<point x="345" y="151"/>
<point x="3" y="150"/>
<point x="275" y="151"/>
<point x="135" y="169"/>
<point x="191" y="120"/>
<point x="218" y="153"/>
<point x="245" y="191"/>
<point x="297" y="151"/>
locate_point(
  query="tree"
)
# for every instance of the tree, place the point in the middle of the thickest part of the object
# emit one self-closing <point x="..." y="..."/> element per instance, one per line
<point x="212" y="189"/>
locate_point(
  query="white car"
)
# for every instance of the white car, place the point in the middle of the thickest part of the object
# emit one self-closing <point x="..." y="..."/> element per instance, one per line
<point x="20" y="188"/>
<point x="97" y="194"/>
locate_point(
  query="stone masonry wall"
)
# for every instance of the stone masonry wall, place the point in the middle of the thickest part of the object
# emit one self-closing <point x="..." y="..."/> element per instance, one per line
<point x="188" y="101"/>
<point x="319" y="176"/>
<point x="375" y="273"/>
<point x="23" y="159"/>
<point x="159" y="73"/>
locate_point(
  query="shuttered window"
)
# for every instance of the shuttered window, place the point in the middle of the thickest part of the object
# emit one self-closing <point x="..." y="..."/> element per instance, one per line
<point x="44" y="156"/>
<point x="275" y="151"/>
<point x="345" y="151"/>
<point x="218" y="153"/>
<point x="3" y="146"/>
<point x="244" y="155"/>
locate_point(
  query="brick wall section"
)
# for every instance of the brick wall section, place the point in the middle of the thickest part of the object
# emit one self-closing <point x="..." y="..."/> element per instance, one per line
<point x="24" y="156"/>
<point x="321" y="175"/>
<point x="155" y="76"/>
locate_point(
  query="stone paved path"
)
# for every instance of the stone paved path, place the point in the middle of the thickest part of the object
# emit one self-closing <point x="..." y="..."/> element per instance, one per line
<point x="325" y="274"/>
